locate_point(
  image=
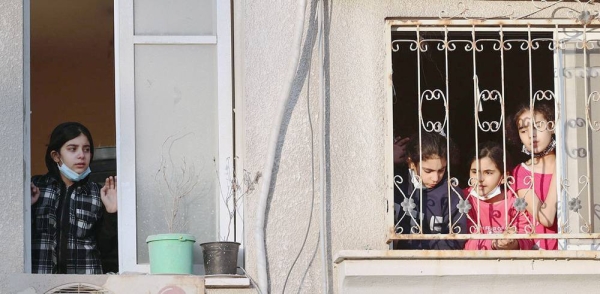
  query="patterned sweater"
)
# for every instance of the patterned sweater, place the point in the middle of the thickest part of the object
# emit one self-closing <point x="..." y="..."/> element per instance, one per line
<point x="66" y="226"/>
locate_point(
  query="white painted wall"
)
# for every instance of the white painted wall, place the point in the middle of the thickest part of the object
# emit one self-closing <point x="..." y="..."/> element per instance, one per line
<point x="12" y="177"/>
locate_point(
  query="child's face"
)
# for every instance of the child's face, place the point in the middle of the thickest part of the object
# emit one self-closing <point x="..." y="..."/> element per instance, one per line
<point x="75" y="153"/>
<point x="535" y="137"/>
<point x="488" y="178"/>
<point x="431" y="171"/>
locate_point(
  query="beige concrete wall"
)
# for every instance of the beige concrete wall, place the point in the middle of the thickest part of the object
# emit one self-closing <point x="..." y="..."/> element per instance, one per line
<point x="12" y="173"/>
<point x="355" y="76"/>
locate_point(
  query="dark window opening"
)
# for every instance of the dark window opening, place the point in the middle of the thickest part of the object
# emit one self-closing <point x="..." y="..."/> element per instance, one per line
<point x="462" y="76"/>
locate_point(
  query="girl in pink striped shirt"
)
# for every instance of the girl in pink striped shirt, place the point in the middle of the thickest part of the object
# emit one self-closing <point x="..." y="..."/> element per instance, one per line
<point x="495" y="209"/>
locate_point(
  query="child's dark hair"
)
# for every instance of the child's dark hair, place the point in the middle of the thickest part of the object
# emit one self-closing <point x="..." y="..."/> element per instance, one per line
<point x="512" y="124"/>
<point x="433" y="145"/>
<point x="60" y="135"/>
<point x="495" y="152"/>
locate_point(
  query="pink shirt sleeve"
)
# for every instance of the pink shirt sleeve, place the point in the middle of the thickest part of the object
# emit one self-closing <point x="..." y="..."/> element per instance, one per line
<point x="522" y="225"/>
<point x="522" y="176"/>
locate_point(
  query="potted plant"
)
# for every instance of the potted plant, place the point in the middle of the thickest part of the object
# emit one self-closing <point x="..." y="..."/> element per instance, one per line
<point x="172" y="252"/>
<point x="220" y="257"/>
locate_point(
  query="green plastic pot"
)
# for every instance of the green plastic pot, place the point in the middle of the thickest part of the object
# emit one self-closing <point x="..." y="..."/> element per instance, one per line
<point x="171" y="253"/>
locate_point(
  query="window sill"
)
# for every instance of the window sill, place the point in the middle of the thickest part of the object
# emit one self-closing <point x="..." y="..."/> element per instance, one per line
<point x="387" y="271"/>
<point x="226" y="281"/>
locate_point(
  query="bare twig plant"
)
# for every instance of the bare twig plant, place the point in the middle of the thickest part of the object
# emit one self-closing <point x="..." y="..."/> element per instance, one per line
<point x="236" y="190"/>
<point x="180" y="180"/>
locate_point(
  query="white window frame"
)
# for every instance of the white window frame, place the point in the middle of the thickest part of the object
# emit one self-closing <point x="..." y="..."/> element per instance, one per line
<point x="538" y="25"/>
<point x="125" y="42"/>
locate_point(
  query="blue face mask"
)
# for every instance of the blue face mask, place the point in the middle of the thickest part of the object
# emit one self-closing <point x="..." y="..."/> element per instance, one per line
<point x="72" y="175"/>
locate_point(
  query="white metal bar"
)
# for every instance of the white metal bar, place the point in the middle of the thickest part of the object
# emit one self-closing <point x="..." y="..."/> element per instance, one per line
<point x="125" y="134"/>
<point x="532" y="127"/>
<point x="559" y="123"/>
<point x="389" y="137"/>
<point x="541" y="22"/>
<point x="182" y="40"/>
<point x="480" y="29"/>
<point x="239" y="140"/>
<point x="447" y="112"/>
<point x="471" y="255"/>
<point x="225" y="118"/>
<point x="587" y="122"/>
<point x="503" y="122"/>
<point x="492" y="236"/>
<point x="420" y="129"/>
<point x="476" y="126"/>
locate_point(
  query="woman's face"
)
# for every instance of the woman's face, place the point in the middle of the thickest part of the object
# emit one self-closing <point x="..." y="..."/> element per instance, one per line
<point x="431" y="171"/>
<point x="75" y="153"/>
<point x="537" y="136"/>
<point x="488" y="176"/>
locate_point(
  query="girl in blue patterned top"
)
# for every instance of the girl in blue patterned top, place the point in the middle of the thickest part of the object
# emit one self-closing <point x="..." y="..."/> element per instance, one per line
<point x="69" y="213"/>
<point x="423" y="203"/>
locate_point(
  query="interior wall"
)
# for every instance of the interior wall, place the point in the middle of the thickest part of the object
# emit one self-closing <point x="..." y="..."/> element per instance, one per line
<point x="72" y="71"/>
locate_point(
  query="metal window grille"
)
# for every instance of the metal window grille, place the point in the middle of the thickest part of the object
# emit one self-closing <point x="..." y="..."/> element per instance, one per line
<point x="463" y="78"/>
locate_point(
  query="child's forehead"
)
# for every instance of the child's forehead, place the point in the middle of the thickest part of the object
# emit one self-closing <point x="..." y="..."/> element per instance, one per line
<point x="525" y="118"/>
<point x="77" y="141"/>
<point x="526" y="115"/>
<point x="434" y="161"/>
<point x="485" y="163"/>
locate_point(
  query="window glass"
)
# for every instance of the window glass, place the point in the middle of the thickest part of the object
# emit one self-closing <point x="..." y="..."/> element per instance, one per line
<point x="180" y="17"/>
<point x="176" y="141"/>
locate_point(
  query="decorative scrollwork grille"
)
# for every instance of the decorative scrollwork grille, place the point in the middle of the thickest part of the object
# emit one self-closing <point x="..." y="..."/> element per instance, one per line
<point x="457" y="73"/>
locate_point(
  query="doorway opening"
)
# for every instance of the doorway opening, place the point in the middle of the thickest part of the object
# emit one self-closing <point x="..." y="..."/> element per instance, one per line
<point x="72" y="72"/>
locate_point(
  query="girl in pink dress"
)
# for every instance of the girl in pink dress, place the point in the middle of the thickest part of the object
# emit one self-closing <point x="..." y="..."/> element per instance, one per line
<point x="493" y="207"/>
<point x="535" y="181"/>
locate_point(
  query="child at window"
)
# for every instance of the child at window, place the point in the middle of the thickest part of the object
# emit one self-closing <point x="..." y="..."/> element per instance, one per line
<point x="493" y="208"/>
<point x="535" y="180"/>
<point x="425" y="205"/>
<point x="69" y="213"/>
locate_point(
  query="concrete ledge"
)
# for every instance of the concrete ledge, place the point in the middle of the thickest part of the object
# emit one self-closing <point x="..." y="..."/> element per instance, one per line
<point x="226" y="281"/>
<point x="125" y="283"/>
<point x="464" y="254"/>
<point x="468" y="271"/>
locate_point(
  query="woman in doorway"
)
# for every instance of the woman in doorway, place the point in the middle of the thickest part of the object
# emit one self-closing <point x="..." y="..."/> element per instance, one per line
<point x="69" y="213"/>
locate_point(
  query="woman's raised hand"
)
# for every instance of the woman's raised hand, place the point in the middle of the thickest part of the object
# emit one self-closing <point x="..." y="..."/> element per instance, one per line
<point x="109" y="194"/>
<point x="35" y="194"/>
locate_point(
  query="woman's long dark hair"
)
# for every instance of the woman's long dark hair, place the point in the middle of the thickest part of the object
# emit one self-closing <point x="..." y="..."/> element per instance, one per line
<point x="61" y="135"/>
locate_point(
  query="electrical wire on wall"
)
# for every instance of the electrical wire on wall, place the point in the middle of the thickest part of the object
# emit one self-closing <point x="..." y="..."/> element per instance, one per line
<point x="274" y="139"/>
<point x="323" y="162"/>
<point x="321" y="242"/>
<point x="261" y="254"/>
